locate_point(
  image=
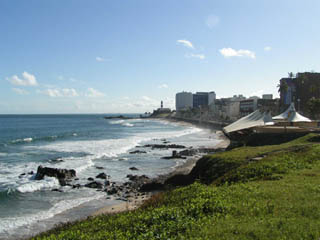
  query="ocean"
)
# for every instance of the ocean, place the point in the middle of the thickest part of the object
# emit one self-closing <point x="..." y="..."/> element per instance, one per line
<point x="84" y="143"/>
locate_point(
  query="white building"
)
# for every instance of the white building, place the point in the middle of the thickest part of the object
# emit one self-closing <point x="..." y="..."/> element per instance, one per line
<point x="184" y="100"/>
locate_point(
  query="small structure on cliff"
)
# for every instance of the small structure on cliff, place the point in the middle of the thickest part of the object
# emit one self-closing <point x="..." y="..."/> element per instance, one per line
<point x="290" y="122"/>
<point x="255" y="119"/>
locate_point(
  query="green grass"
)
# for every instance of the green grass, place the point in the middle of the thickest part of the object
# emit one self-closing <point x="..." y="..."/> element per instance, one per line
<point x="276" y="197"/>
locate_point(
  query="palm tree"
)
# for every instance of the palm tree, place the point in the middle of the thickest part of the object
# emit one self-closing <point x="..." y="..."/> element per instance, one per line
<point x="290" y="74"/>
<point x="282" y="87"/>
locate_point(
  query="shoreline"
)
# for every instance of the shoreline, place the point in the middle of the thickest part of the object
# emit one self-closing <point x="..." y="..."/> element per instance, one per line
<point x="185" y="168"/>
<point x="138" y="198"/>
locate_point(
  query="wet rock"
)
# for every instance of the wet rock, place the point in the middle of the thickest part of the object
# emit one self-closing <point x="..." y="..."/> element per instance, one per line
<point x="188" y="152"/>
<point x="31" y="173"/>
<point x="164" y="146"/>
<point x="137" y="151"/>
<point x="107" y="183"/>
<point x="56" y="190"/>
<point x="94" y="184"/>
<point x="61" y="174"/>
<point x="134" y="169"/>
<point x="102" y="176"/>
<point x="76" y="186"/>
<point x="62" y="182"/>
<point x="97" y="167"/>
<point x="112" y="191"/>
<point x="174" y="155"/>
<point x="90" y="179"/>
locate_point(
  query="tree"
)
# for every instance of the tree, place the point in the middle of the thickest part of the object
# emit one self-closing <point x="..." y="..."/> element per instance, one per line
<point x="282" y="87"/>
<point x="314" y="107"/>
<point x="290" y="74"/>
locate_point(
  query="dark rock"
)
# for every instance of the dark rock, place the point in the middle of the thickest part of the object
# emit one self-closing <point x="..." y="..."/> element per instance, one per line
<point x="151" y="186"/>
<point x="137" y="151"/>
<point x="164" y="146"/>
<point x="76" y="186"/>
<point x="97" y="167"/>
<point x="102" y="176"/>
<point x="134" y="169"/>
<point x="56" y="190"/>
<point x="22" y="174"/>
<point x="90" y="179"/>
<point x="188" y="152"/>
<point x="62" y="182"/>
<point x="61" y="174"/>
<point x="94" y="184"/>
<point x="112" y="191"/>
<point x="118" y="117"/>
<point x="31" y="173"/>
<point x="107" y="183"/>
<point x="174" y="155"/>
<point x="76" y="179"/>
<point x="179" y="180"/>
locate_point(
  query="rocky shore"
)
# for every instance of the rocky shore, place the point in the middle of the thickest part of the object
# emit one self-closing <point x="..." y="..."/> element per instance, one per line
<point x="140" y="188"/>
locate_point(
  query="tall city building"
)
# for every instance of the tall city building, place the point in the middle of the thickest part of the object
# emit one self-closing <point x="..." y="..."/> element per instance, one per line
<point x="184" y="100"/>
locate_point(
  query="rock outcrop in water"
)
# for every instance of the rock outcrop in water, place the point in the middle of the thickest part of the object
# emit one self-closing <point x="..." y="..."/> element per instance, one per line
<point x="61" y="174"/>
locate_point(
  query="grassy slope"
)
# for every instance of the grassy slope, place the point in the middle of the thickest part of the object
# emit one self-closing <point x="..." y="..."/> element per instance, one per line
<point x="276" y="197"/>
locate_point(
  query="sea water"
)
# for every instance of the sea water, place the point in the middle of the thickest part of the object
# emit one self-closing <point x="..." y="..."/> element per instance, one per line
<point x="84" y="143"/>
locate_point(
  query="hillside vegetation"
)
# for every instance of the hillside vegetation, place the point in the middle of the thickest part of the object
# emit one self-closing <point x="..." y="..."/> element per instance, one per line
<point x="268" y="192"/>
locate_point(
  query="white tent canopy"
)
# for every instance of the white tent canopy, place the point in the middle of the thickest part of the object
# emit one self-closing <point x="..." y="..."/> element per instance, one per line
<point x="291" y="115"/>
<point x="254" y="119"/>
<point x="285" y="114"/>
<point x="296" y="117"/>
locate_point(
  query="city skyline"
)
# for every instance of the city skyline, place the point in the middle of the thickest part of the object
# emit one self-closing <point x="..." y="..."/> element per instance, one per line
<point x="110" y="57"/>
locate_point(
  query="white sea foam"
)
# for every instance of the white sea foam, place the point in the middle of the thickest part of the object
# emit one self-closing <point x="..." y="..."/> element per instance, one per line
<point x="111" y="147"/>
<point x="128" y="124"/>
<point x="116" y="122"/>
<point x="10" y="224"/>
<point x="37" y="185"/>
<point x="22" y="140"/>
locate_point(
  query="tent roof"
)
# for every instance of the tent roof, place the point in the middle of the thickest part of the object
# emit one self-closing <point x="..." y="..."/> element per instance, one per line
<point x="254" y="119"/>
<point x="284" y="115"/>
<point x="296" y="117"/>
<point x="291" y="115"/>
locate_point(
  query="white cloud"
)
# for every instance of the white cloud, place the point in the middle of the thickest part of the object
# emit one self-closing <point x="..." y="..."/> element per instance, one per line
<point x="267" y="48"/>
<point x="51" y="92"/>
<point x="27" y="80"/>
<point x="94" y="93"/>
<point x="69" y="92"/>
<point x="163" y="86"/>
<point x="230" y="52"/>
<point x="212" y="21"/>
<point x="65" y="92"/>
<point x="20" y="91"/>
<point x="100" y="59"/>
<point x="191" y="55"/>
<point x="185" y="43"/>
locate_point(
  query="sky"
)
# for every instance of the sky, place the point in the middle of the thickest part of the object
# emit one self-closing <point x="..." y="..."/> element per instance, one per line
<point x="103" y="56"/>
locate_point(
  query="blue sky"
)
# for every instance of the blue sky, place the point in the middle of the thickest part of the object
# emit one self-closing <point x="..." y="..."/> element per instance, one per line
<point x="80" y="56"/>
